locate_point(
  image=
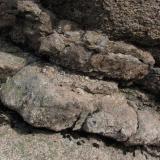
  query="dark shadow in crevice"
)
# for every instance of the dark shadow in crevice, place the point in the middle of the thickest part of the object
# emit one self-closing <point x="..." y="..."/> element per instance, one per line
<point x="91" y="15"/>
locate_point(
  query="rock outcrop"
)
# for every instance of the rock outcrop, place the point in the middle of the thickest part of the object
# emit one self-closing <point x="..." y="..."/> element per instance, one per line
<point x="136" y="21"/>
<point x="86" y="69"/>
<point x="87" y="51"/>
<point x="7" y="13"/>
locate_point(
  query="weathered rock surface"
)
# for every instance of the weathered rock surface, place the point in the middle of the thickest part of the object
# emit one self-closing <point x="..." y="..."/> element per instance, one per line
<point x="12" y="59"/>
<point x="91" y="41"/>
<point x="148" y="128"/>
<point x="147" y="106"/>
<point x="33" y="23"/>
<point x="95" y="53"/>
<point x="95" y="106"/>
<point x="38" y="145"/>
<point x="136" y="21"/>
<point x="151" y="81"/>
<point x="37" y="92"/>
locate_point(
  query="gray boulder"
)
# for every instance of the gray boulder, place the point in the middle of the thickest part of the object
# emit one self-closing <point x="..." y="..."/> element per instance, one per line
<point x="93" y="52"/>
<point x="135" y="21"/>
<point x="47" y="97"/>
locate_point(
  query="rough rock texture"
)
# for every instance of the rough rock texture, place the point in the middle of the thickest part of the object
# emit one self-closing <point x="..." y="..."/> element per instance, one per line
<point x="111" y="59"/>
<point x="12" y="59"/>
<point x="87" y="51"/>
<point x="33" y="23"/>
<point x="147" y="106"/>
<point x="37" y="93"/>
<point x="137" y="21"/>
<point x="19" y="146"/>
<point x="83" y="69"/>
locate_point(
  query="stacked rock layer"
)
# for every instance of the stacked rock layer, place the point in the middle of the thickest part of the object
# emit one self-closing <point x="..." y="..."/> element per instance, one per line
<point x="86" y="67"/>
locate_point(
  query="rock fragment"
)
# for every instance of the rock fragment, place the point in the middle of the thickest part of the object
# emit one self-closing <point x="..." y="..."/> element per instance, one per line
<point x="147" y="108"/>
<point x="116" y="120"/>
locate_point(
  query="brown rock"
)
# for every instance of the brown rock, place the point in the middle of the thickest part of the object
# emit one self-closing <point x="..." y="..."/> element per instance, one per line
<point x="152" y="81"/>
<point x="119" y="66"/>
<point x="35" y="22"/>
<point x="93" y="52"/>
<point x="148" y="129"/>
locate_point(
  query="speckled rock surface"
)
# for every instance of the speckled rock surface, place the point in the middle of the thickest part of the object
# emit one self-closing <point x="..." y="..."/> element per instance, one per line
<point x="79" y="79"/>
<point x="7" y="15"/>
<point x="38" y="145"/>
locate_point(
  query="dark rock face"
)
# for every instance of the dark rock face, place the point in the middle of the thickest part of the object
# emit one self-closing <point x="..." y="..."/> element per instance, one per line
<point x="86" y="68"/>
<point x="137" y="21"/>
<point x="36" y="92"/>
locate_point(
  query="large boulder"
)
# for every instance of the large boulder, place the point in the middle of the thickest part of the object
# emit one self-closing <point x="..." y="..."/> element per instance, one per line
<point x="47" y="97"/>
<point x="67" y="44"/>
